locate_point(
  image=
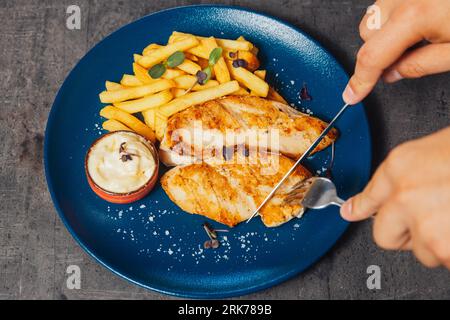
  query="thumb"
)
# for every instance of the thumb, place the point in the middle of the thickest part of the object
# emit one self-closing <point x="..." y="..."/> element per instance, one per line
<point x="367" y="203"/>
<point x="430" y="59"/>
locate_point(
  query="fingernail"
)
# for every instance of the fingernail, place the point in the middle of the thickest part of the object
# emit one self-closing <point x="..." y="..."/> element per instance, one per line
<point x="349" y="95"/>
<point x="346" y="209"/>
<point x="392" y="76"/>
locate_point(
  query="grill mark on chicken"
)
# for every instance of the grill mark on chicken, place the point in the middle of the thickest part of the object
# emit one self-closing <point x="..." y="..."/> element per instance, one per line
<point x="234" y="115"/>
<point x="190" y="183"/>
<point x="223" y="203"/>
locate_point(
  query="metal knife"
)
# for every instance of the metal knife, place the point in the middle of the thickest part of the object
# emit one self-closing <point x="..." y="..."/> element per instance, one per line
<point x="304" y="155"/>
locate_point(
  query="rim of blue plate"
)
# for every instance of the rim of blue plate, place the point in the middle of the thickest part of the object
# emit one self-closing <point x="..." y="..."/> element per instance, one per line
<point x="234" y="293"/>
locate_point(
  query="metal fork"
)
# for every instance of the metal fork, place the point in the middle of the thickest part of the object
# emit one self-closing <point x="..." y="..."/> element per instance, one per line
<point x="315" y="193"/>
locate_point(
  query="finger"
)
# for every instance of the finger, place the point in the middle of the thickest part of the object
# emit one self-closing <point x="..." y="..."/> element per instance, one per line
<point x="407" y="246"/>
<point x="390" y="229"/>
<point x="375" y="17"/>
<point x="422" y="234"/>
<point x="446" y="264"/>
<point x="368" y="202"/>
<point x="424" y="254"/>
<point x="434" y="231"/>
<point x="381" y="51"/>
<point x="430" y="59"/>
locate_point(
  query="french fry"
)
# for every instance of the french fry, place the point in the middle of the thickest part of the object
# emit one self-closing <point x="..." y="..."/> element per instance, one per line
<point x="160" y="125"/>
<point x="220" y="68"/>
<point x="242" y="39"/>
<point x="235" y="45"/>
<point x="252" y="60"/>
<point x="172" y="73"/>
<point x="113" y="86"/>
<point x="229" y="54"/>
<point x="209" y="84"/>
<point x="199" y="51"/>
<point x="189" y="66"/>
<point x="163" y="53"/>
<point x="110" y="112"/>
<point x="136" y="57"/>
<point x="160" y="128"/>
<point x="177" y="92"/>
<point x="151" y="47"/>
<point x="135" y="92"/>
<point x="114" y="125"/>
<point x="249" y="80"/>
<point x="275" y="96"/>
<point x="156" y="121"/>
<point x="224" y="43"/>
<point x="148" y="102"/>
<point x="192" y="98"/>
<point x="177" y="36"/>
<point x="253" y="50"/>
<point x="187" y="81"/>
<point x="260" y="74"/>
<point x="142" y="74"/>
<point x="203" y="63"/>
<point x="149" y="118"/>
<point x="130" y="81"/>
<point x="221" y="71"/>
<point x="241" y="92"/>
<point x="191" y="57"/>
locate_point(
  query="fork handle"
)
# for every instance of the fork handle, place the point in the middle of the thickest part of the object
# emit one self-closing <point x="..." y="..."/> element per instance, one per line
<point x="338" y="202"/>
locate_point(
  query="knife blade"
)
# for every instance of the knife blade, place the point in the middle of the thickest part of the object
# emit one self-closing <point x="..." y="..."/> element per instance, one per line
<point x="304" y="155"/>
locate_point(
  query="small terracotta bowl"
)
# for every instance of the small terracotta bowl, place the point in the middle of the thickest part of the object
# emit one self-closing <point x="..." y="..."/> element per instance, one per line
<point x="124" y="198"/>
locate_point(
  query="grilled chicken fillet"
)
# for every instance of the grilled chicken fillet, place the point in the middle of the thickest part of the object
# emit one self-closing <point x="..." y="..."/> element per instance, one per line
<point x="229" y="190"/>
<point x="203" y="130"/>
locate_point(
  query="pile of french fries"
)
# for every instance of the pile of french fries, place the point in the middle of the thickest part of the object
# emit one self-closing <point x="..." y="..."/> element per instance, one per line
<point x="177" y="89"/>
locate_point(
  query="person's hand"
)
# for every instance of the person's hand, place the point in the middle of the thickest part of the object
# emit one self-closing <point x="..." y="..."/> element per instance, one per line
<point x="410" y="192"/>
<point x="385" y="53"/>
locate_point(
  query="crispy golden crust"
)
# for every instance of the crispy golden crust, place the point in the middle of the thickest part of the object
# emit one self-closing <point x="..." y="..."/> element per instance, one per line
<point x="229" y="191"/>
<point x="239" y="113"/>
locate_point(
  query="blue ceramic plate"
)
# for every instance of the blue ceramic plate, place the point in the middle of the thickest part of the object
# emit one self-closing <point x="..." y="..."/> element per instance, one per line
<point x="152" y="242"/>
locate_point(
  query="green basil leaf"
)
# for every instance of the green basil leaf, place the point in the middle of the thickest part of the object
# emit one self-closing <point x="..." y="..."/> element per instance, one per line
<point x="175" y="59"/>
<point x="214" y="56"/>
<point x="157" y="71"/>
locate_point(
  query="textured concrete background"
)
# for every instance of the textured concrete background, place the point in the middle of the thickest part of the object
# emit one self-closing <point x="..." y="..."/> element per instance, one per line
<point x="38" y="52"/>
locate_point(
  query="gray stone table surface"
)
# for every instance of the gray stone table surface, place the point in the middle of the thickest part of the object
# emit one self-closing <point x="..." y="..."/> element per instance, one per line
<point x="38" y="51"/>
